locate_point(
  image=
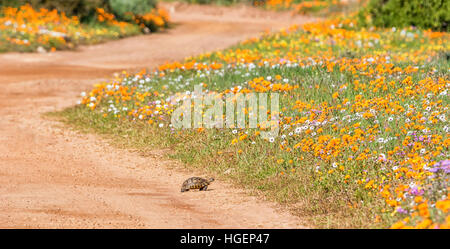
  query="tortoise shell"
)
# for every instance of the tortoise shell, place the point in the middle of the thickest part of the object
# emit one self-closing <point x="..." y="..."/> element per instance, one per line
<point x="196" y="183"/>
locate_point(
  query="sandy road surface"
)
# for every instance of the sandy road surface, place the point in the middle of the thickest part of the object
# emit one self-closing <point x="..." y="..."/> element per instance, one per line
<point x="52" y="177"/>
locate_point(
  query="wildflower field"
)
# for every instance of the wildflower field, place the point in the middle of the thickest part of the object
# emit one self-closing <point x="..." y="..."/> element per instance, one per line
<point x="364" y="135"/>
<point x="25" y="28"/>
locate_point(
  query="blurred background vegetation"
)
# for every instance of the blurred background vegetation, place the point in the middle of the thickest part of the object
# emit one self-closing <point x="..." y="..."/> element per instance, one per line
<point x="429" y="14"/>
<point x="218" y="2"/>
<point x="86" y="9"/>
<point x="425" y="14"/>
<point x="31" y="25"/>
<point x="42" y="25"/>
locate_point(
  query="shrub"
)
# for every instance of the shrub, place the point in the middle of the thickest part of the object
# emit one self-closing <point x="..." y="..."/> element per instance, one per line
<point x="429" y="14"/>
<point x="126" y="9"/>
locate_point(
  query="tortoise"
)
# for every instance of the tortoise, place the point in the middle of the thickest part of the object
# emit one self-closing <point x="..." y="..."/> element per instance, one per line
<point x="196" y="183"/>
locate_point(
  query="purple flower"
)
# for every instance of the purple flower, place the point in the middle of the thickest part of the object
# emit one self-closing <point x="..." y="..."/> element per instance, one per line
<point x="415" y="191"/>
<point x="443" y="165"/>
<point x="434" y="170"/>
<point x="401" y="210"/>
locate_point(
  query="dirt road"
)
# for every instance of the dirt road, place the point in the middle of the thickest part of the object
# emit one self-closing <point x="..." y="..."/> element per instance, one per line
<point x="53" y="177"/>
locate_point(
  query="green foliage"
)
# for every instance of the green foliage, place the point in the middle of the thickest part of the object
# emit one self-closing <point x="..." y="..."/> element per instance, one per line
<point x="122" y="8"/>
<point x="429" y="14"/>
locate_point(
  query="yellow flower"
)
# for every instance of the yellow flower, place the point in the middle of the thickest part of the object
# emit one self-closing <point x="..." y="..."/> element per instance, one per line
<point x="398" y="225"/>
<point x="443" y="205"/>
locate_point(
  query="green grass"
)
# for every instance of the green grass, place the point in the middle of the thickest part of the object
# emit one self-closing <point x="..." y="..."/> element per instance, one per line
<point x="93" y="33"/>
